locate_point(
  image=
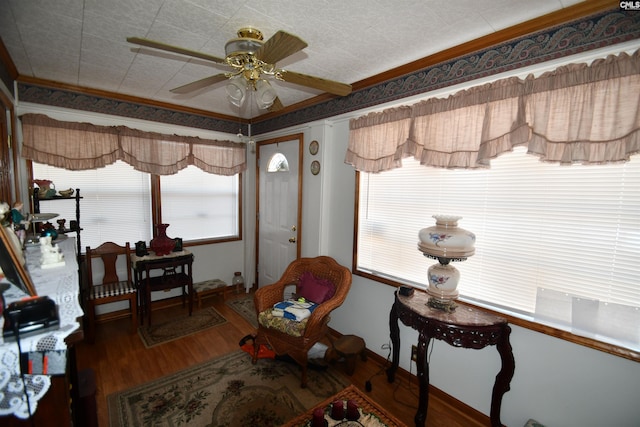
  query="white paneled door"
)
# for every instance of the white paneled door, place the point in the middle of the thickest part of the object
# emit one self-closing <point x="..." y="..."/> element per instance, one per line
<point x="278" y="205"/>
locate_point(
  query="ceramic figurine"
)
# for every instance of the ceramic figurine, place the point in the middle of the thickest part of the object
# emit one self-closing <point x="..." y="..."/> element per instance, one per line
<point x="50" y="255"/>
<point x="20" y="222"/>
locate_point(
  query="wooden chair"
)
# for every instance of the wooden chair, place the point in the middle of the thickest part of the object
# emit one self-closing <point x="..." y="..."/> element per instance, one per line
<point x="110" y="288"/>
<point x="286" y="340"/>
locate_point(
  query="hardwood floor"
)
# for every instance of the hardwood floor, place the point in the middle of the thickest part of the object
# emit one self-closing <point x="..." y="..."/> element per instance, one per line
<point x="120" y="361"/>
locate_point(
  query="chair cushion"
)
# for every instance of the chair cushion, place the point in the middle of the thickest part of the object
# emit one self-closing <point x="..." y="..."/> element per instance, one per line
<point x="111" y="289"/>
<point x="315" y="289"/>
<point x="209" y="285"/>
<point x="282" y="324"/>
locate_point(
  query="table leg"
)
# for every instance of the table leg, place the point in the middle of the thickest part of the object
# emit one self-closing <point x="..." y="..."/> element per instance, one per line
<point x="148" y="303"/>
<point x="190" y="287"/>
<point x="142" y="296"/>
<point x="503" y="379"/>
<point x="394" y="330"/>
<point x="423" y="380"/>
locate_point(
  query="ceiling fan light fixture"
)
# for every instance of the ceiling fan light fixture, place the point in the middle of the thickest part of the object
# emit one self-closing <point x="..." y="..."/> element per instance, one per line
<point x="236" y="91"/>
<point x="250" y="58"/>
<point x="241" y="46"/>
<point x="265" y="94"/>
<point x="248" y="42"/>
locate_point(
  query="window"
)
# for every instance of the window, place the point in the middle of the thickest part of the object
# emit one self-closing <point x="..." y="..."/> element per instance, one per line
<point x="116" y="203"/>
<point x="278" y="163"/>
<point x="200" y="205"/>
<point x="555" y="244"/>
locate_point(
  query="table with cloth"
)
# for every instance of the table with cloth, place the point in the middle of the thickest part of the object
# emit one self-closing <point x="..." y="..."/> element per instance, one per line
<point x="371" y="413"/>
<point x="61" y="284"/>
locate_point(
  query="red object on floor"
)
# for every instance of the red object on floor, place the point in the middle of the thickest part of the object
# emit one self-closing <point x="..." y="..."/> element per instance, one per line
<point x="263" y="353"/>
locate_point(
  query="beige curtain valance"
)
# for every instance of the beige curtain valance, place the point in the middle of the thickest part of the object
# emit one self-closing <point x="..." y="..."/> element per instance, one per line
<point x="81" y="146"/>
<point x="391" y="129"/>
<point x="588" y="114"/>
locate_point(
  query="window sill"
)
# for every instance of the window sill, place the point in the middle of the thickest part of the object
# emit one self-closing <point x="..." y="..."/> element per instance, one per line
<point x="534" y="326"/>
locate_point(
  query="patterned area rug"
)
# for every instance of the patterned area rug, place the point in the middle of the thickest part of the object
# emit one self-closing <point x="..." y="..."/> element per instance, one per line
<point x="225" y="392"/>
<point x="244" y="306"/>
<point x="179" y="327"/>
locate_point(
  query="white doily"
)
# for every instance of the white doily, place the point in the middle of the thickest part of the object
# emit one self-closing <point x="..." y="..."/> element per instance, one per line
<point x="62" y="285"/>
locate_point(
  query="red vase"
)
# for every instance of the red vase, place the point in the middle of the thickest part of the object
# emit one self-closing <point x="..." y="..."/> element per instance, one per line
<point x="161" y="244"/>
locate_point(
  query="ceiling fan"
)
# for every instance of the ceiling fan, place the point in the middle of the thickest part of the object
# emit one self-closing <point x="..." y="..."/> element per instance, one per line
<point x="251" y="60"/>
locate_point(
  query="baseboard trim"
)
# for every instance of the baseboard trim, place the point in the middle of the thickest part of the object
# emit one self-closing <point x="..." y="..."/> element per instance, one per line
<point x="462" y="410"/>
<point x="124" y="313"/>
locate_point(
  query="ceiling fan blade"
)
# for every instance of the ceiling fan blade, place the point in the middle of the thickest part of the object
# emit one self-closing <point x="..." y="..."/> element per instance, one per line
<point x="199" y="84"/>
<point x="336" y="88"/>
<point x="276" y="106"/>
<point x="279" y="46"/>
<point x="174" y="49"/>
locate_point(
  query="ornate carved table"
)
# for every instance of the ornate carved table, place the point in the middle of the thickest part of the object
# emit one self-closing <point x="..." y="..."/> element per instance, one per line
<point x="465" y="327"/>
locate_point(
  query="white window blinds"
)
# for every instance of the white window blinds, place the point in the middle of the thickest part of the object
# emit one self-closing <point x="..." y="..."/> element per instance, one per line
<point x="557" y="244"/>
<point x="115" y="205"/>
<point x="200" y="205"/>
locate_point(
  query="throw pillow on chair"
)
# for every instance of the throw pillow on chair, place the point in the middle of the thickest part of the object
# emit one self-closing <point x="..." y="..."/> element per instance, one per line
<point x="315" y="289"/>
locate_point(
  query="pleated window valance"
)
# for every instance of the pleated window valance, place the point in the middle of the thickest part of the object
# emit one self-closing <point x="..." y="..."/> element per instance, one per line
<point x="81" y="146"/>
<point x="587" y="114"/>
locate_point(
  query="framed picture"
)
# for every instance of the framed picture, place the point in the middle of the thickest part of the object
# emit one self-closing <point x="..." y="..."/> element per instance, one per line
<point x="315" y="167"/>
<point x="313" y="147"/>
<point x="11" y="264"/>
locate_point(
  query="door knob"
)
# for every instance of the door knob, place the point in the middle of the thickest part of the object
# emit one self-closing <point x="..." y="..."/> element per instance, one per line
<point x="292" y="240"/>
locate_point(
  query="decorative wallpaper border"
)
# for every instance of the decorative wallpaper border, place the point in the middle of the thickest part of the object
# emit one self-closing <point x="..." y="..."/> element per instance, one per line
<point x="80" y="101"/>
<point x="597" y="31"/>
<point x="601" y="30"/>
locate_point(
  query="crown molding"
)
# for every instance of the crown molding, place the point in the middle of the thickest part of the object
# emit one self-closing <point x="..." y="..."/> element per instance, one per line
<point x="465" y="63"/>
<point x="586" y="26"/>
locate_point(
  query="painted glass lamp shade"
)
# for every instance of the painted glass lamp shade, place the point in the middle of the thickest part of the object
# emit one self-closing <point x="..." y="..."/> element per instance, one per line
<point x="445" y="242"/>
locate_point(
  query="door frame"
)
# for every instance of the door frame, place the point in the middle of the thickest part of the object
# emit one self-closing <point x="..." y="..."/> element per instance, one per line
<point x="286" y="138"/>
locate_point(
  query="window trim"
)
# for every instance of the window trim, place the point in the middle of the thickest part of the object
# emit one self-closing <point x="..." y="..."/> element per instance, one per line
<point x="156" y="210"/>
<point x="225" y="239"/>
<point x="524" y="323"/>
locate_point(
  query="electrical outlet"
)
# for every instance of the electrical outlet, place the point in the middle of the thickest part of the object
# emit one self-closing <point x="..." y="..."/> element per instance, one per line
<point x="414" y="353"/>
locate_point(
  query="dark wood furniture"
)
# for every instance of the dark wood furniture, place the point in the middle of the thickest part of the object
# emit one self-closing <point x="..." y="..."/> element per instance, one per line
<point x="60" y="405"/>
<point x="175" y="271"/>
<point x="70" y="227"/>
<point x="110" y="288"/>
<point x="465" y="327"/>
<point x="61" y="402"/>
<point x="350" y="393"/>
<point x="348" y="347"/>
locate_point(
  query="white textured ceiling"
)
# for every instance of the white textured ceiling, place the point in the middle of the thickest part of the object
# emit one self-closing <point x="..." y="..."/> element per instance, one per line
<point x="83" y="42"/>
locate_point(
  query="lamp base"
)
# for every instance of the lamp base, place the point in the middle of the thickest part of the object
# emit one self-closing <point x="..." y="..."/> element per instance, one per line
<point x="444" y="305"/>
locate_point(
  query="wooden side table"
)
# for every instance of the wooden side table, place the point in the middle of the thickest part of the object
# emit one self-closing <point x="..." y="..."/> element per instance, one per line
<point x="349" y="347"/>
<point x="465" y="327"/>
<point x="176" y="271"/>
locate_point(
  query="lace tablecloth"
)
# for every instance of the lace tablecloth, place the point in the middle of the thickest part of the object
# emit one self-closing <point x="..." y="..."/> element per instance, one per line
<point x="61" y="284"/>
<point x="151" y="256"/>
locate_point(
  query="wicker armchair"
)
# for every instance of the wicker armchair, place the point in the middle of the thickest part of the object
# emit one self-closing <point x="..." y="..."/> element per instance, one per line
<point x="316" y="326"/>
